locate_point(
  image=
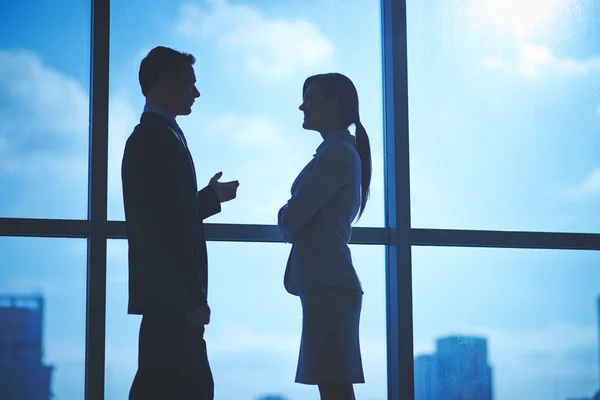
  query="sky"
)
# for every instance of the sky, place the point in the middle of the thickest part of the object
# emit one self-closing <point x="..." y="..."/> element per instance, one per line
<point x="504" y="112"/>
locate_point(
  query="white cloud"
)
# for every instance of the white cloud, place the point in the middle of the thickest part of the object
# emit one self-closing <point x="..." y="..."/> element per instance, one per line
<point x="590" y="186"/>
<point x="270" y="47"/>
<point x="58" y="154"/>
<point x="52" y="101"/>
<point x="45" y="123"/>
<point x="520" y="19"/>
<point x="250" y="132"/>
<point x="44" y="127"/>
<point x="257" y="151"/>
<point x="533" y="60"/>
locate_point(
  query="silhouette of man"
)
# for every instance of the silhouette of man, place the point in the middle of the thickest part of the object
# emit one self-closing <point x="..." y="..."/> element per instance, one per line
<point x="164" y="214"/>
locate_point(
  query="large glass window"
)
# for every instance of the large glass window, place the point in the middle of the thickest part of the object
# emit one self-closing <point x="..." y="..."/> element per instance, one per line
<point x="44" y="90"/>
<point x="520" y="324"/>
<point x="254" y="335"/>
<point x="252" y="59"/>
<point x="504" y="114"/>
<point x="42" y="318"/>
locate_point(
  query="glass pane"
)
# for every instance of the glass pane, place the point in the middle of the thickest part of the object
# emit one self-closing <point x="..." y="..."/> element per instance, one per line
<point x="250" y="74"/>
<point x="44" y="102"/>
<point x="254" y="335"/>
<point x="519" y="324"/>
<point x="504" y="114"/>
<point x="42" y="318"/>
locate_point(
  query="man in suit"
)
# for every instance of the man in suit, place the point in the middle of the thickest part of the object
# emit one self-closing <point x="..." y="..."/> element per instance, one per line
<point x="164" y="214"/>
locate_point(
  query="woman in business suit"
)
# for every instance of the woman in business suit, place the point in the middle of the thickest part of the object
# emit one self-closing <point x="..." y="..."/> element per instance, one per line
<point x="327" y="196"/>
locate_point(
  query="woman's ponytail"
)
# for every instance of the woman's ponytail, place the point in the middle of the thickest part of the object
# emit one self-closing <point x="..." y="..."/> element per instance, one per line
<point x="364" y="151"/>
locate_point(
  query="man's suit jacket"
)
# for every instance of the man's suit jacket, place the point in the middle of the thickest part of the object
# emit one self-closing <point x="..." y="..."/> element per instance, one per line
<point x="318" y="218"/>
<point x="164" y="213"/>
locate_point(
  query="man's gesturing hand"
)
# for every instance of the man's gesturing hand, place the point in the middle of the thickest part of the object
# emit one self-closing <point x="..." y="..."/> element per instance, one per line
<point x="225" y="190"/>
<point x="199" y="317"/>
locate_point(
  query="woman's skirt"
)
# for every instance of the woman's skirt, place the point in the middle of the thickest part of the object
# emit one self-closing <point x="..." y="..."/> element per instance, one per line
<point x="330" y="348"/>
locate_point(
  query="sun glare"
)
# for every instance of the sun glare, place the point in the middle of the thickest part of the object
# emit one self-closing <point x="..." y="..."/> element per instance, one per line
<point x="522" y="18"/>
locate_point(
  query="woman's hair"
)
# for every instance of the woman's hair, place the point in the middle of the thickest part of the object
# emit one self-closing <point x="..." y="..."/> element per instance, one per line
<point x="341" y="87"/>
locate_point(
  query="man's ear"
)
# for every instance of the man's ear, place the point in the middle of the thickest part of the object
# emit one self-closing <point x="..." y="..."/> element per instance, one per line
<point x="163" y="82"/>
<point x="163" y="78"/>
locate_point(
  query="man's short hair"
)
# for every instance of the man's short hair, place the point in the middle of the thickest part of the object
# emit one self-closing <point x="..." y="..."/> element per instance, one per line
<point x="159" y="60"/>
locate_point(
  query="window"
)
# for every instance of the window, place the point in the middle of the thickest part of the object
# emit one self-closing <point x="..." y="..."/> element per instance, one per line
<point x="44" y="103"/>
<point x="42" y="285"/>
<point x="250" y="75"/>
<point x="502" y="121"/>
<point x="254" y="335"/>
<point x="504" y="114"/>
<point x="528" y="318"/>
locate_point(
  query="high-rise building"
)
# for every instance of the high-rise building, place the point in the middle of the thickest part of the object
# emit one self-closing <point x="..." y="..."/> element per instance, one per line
<point x="272" y="397"/>
<point x="426" y="383"/>
<point x="458" y="370"/>
<point x="598" y="310"/>
<point x="22" y="373"/>
<point x="464" y="373"/>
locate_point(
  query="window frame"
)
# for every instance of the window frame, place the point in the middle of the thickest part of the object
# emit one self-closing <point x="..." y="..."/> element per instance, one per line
<point x="397" y="235"/>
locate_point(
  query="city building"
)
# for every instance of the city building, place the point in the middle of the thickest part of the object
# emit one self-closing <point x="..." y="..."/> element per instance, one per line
<point x="598" y="311"/>
<point x="458" y="370"/>
<point x="426" y="384"/>
<point x="23" y="375"/>
<point x="483" y="119"/>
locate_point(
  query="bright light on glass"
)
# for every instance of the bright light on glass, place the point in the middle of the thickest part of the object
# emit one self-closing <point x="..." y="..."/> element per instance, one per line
<point x="522" y="18"/>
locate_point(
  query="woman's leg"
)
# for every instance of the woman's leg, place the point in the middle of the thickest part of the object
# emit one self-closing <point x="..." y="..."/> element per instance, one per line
<point x="336" y="391"/>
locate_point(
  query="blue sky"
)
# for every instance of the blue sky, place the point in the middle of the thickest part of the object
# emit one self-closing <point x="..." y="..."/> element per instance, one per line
<point x="505" y="125"/>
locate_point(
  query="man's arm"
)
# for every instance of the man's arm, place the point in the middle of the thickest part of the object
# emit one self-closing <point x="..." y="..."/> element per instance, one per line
<point x="331" y="171"/>
<point x="208" y="202"/>
<point x="154" y="173"/>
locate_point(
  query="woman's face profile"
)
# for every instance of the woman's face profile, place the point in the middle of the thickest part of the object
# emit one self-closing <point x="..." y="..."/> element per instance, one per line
<point x="319" y="111"/>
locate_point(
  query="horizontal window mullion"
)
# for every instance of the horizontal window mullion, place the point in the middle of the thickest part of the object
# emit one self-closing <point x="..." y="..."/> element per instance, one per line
<point x="506" y="239"/>
<point x="32" y="227"/>
<point x="62" y="228"/>
<point x="259" y="233"/>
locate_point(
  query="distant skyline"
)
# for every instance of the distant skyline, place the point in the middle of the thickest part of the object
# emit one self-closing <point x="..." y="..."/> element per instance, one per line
<point x="272" y="397"/>
<point x="23" y="374"/>
<point x="458" y="369"/>
<point x="504" y="108"/>
<point x="467" y="353"/>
